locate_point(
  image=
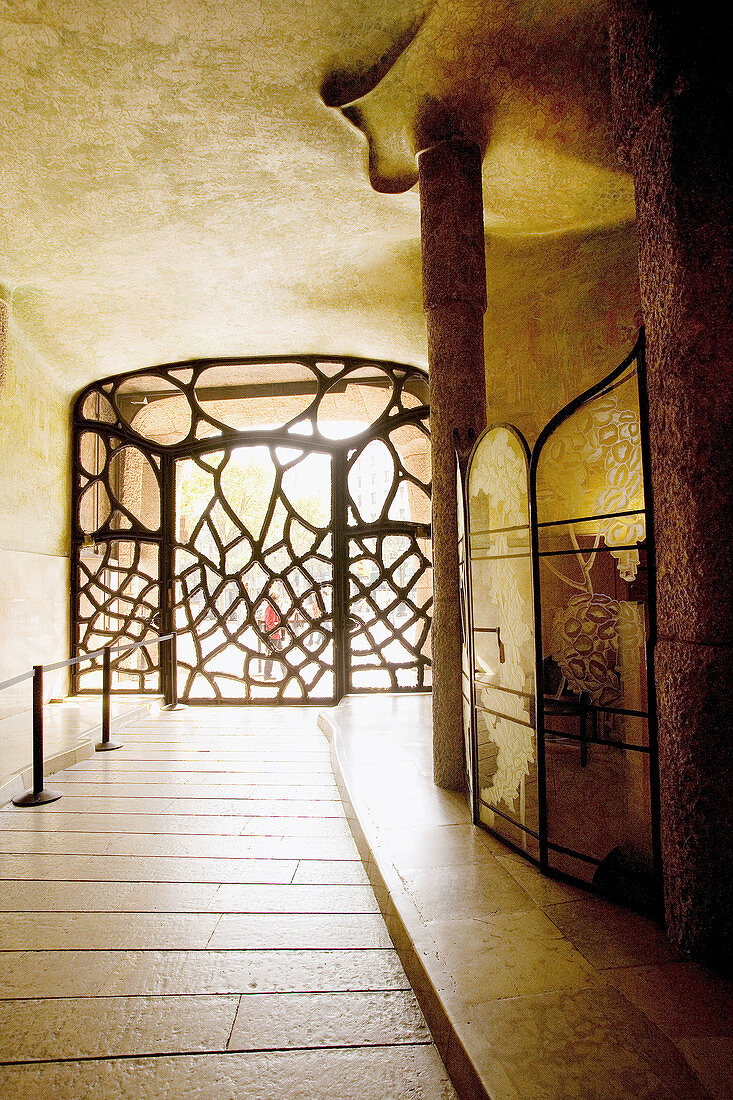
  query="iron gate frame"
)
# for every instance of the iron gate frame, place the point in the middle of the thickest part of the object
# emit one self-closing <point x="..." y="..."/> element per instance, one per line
<point x="113" y="427"/>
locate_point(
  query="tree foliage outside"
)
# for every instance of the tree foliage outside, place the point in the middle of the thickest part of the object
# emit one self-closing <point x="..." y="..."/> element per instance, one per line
<point x="247" y="482"/>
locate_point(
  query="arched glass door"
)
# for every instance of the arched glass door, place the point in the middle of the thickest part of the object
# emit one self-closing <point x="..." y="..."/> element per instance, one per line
<point x="595" y="631"/>
<point x="502" y="638"/>
<point x="559" y="637"/>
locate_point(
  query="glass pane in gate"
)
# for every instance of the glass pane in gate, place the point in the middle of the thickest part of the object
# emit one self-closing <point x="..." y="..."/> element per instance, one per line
<point x="390" y="589"/>
<point x="254" y="575"/>
<point x="118" y="602"/>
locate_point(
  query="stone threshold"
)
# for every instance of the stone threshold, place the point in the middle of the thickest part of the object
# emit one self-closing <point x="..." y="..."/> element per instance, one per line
<point x="403" y="921"/>
<point x="530" y="987"/>
<point x="72" y="726"/>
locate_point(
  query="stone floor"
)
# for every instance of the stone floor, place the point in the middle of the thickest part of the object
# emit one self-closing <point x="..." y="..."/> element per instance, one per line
<point x="533" y="989"/>
<point x="70" y="729"/>
<point x="192" y="919"/>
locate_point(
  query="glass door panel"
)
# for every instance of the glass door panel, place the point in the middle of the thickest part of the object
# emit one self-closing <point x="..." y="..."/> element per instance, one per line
<point x="595" y="626"/>
<point x="503" y="637"/>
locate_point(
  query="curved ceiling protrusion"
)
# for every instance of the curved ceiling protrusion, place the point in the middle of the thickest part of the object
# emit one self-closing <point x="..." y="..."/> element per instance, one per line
<point x="529" y="85"/>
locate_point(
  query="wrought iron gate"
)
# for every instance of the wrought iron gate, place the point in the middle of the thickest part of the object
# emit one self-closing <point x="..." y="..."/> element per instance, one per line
<point x="275" y="513"/>
<point x="254" y="577"/>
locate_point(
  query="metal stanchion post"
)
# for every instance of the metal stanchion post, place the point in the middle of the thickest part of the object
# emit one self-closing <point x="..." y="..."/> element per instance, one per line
<point x="174" y="671"/>
<point x="172" y="699"/>
<point x="106" y="745"/>
<point x="166" y="671"/>
<point x="39" y="795"/>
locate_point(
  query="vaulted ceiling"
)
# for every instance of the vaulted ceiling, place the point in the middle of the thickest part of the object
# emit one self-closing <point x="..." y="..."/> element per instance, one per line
<point x="195" y="178"/>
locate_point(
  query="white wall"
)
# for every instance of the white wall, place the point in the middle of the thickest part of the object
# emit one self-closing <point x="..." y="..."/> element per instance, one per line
<point x="34" y="492"/>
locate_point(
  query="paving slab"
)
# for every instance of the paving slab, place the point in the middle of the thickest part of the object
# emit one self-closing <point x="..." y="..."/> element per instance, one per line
<point x="192" y="917"/>
<point x="273" y="1022"/>
<point x="69" y="1027"/>
<point x="373" y="1073"/>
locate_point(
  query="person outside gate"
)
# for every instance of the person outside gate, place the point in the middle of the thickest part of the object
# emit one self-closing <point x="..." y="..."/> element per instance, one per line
<point x="274" y="637"/>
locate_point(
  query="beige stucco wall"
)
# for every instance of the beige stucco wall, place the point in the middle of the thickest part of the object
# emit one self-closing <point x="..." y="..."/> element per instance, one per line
<point x="34" y="563"/>
<point x="563" y="311"/>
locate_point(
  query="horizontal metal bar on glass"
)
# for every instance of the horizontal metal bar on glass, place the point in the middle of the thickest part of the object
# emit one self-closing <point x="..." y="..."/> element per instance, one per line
<point x="499" y="530"/>
<point x="529" y="696"/>
<point x="508" y="717"/>
<point x="506" y="817"/>
<point x="590" y="550"/>
<point x="563" y="735"/>
<point x="589" y="519"/>
<point x="606" y="710"/>
<point x="500" y="557"/>
<point x="571" y="852"/>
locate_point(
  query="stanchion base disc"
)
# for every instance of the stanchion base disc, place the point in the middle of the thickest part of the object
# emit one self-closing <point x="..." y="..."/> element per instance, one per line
<point x="107" y="746"/>
<point x="30" y="798"/>
<point x="174" y="706"/>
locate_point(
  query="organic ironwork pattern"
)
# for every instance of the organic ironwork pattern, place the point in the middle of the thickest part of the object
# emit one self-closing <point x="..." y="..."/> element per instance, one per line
<point x="174" y="407"/>
<point x="158" y="455"/>
<point x="253" y="605"/>
<point x="118" y="595"/>
<point x="389" y="618"/>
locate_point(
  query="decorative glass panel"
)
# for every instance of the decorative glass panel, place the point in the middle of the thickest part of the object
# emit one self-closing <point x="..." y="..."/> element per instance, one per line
<point x="594" y="594"/>
<point x="503" y="637"/>
<point x="567" y="771"/>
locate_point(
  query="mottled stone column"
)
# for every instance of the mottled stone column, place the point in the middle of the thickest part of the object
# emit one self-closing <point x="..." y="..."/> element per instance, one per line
<point x="454" y="296"/>
<point x="672" y="101"/>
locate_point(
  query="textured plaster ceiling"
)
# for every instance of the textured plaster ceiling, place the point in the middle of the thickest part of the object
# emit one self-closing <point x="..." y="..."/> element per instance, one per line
<point x="175" y="186"/>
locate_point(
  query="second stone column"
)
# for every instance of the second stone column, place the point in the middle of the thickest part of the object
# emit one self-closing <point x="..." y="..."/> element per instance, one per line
<point x="454" y="298"/>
